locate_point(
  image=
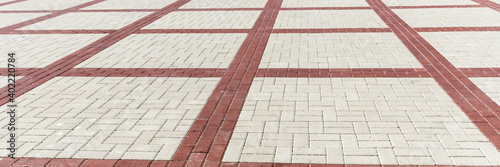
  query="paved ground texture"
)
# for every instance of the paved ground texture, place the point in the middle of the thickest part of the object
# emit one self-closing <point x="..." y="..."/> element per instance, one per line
<point x="251" y="82"/>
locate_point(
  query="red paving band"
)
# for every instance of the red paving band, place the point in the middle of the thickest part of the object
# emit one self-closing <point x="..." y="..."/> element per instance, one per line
<point x="271" y="72"/>
<point x="489" y="4"/>
<point x="206" y="141"/>
<point x="209" y="135"/>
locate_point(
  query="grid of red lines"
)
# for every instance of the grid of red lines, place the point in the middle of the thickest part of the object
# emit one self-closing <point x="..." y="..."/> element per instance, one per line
<point x="209" y="135"/>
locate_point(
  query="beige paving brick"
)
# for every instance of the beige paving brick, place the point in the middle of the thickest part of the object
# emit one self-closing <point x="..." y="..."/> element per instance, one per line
<point x="361" y="160"/>
<point x="257" y="157"/>
<point x="90" y="154"/>
<point x="440" y="156"/>
<point x="387" y="156"/>
<point x="492" y="155"/>
<point x="117" y="151"/>
<point x="415" y="161"/>
<point x="140" y="155"/>
<point x="44" y="153"/>
<point x="467" y="160"/>
<point x="308" y="159"/>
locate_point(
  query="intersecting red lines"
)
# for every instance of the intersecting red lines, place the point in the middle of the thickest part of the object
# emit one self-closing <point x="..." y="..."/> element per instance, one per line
<point x="218" y="118"/>
<point x="33" y="80"/>
<point x="481" y="109"/>
<point x="490" y="4"/>
<point x="49" y="16"/>
<point x="207" y="140"/>
<point x="276" y="72"/>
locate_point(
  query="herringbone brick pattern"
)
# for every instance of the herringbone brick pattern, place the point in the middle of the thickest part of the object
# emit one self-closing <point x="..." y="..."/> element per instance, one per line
<point x="250" y="83"/>
<point x="372" y="120"/>
<point x="112" y="118"/>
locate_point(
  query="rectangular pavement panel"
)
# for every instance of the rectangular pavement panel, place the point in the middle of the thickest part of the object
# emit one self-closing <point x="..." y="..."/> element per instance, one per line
<point x="405" y="121"/>
<point x="319" y="19"/>
<point x="200" y="4"/>
<point x="14" y="18"/>
<point x="323" y="3"/>
<point x="337" y="50"/>
<point x="131" y="4"/>
<point x="450" y="17"/>
<point x="108" y="117"/>
<point x="169" y="51"/>
<point x="467" y="49"/>
<point x="40" y="50"/>
<point x="206" y="20"/>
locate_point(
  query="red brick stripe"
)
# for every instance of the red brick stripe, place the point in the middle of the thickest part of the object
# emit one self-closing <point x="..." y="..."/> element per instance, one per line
<point x="481" y="72"/>
<point x="490" y="4"/>
<point x="209" y="135"/>
<point x="49" y="16"/>
<point x="144" y="72"/>
<point x="256" y="164"/>
<point x="65" y="162"/>
<point x="31" y="162"/>
<point x="348" y="73"/>
<point x="270" y="72"/>
<point x="149" y="31"/>
<point x="480" y="108"/>
<point x="332" y="30"/>
<point x="59" y="32"/>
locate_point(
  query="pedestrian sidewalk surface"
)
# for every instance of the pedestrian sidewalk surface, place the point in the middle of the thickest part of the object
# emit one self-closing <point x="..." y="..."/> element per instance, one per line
<point x="252" y="82"/>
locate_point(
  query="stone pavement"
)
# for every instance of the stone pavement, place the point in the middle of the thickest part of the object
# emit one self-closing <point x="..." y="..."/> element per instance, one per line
<point x="252" y="83"/>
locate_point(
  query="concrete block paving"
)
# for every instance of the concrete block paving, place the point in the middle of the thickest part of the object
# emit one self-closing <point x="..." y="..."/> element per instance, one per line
<point x="251" y="83"/>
